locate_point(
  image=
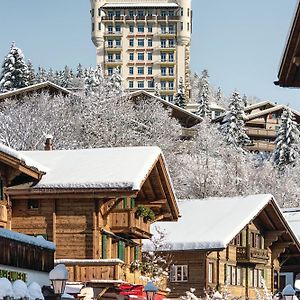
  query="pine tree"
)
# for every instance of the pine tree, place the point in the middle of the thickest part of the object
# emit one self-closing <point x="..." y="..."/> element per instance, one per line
<point x="179" y="98"/>
<point x="116" y="81"/>
<point x="233" y="127"/>
<point x="67" y="77"/>
<point x="14" y="70"/>
<point x="41" y="75"/>
<point x="287" y="141"/>
<point x="31" y="73"/>
<point x="203" y="98"/>
<point x="79" y="71"/>
<point x="156" y="92"/>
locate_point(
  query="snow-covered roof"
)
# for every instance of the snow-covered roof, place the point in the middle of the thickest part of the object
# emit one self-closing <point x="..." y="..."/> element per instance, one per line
<point x="23" y="238"/>
<point x="89" y="261"/>
<point x="22" y="158"/>
<point x="34" y="88"/>
<point x="216" y="106"/>
<point x="103" y="168"/>
<point x="210" y="223"/>
<point x="140" y="4"/>
<point x="259" y="104"/>
<point x="292" y="215"/>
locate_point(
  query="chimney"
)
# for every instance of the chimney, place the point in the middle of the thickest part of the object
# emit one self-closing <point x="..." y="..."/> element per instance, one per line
<point x="48" y="144"/>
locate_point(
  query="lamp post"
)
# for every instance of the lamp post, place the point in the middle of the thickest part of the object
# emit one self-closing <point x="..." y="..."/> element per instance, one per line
<point x="288" y="293"/>
<point x="58" y="277"/>
<point x="150" y="290"/>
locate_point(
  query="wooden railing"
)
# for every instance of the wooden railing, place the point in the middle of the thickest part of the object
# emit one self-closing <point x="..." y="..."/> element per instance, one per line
<point x="251" y="255"/>
<point x="124" y="221"/>
<point x="261" y="132"/>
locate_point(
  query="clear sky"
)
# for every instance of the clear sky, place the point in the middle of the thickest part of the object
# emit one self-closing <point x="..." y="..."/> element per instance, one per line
<point x="240" y="42"/>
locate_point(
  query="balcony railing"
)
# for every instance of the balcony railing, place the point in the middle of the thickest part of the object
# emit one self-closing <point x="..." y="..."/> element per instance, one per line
<point x="124" y="221"/>
<point x="261" y="132"/>
<point x="251" y="255"/>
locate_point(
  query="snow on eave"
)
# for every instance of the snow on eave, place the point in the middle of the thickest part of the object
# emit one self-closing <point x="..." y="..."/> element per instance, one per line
<point x="26" y="239"/>
<point x="23" y="159"/>
<point x="32" y="88"/>
<point x="259" y="104"/>
<point x="89" y="261"/>
<point x="176" y="107"/>
<point x="268" y="111"/>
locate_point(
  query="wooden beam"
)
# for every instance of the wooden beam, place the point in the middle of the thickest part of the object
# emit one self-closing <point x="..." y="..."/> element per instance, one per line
<point x="278" y="248"/>
<point x="272" y="236"/>
<point x="114" y="205"/>
<point x="155" y="171"/>
<point x="102" y="292"/>
<point x="267" y="219"/>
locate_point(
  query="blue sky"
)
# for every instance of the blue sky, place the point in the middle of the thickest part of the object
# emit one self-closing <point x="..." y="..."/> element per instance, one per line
<point x="240" y="42"/>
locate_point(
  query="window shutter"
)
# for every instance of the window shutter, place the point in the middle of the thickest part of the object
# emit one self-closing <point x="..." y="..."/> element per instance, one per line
<point x="132" y="202"/>
<point x="125" y="202"/>
<point x="136" y="252"/>
<point x="121" y="250"/>
<point x="104" y="246"/>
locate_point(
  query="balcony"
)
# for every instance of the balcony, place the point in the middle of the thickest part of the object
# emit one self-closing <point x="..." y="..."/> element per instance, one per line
<point x="261" y="132"/>
<point x="113" y="48"/>
<point x="113" y="62"/>
<point x="107" y="18"/>
<point x="112" y="33"/>
<point x="3" y="214"/>
<point x="129" y="18"/>
<point x="173" y="18"/>
<point x="161" y="18"/>
<point x="251" y="255"/>
<point x="167" y="34"/>
<point x="140" y="18"/>
<point x="124" y="222"/>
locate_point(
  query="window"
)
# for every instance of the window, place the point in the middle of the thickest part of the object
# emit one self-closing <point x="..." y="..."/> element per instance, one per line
<point x="163" y="85"/>
<point x="181" y="12"/>
<point x="181" y="26"/>
<point x="150" y="42"/>
<point x="171" y="57"/>
<point x="171" y="98"/>
<point x="163" y="57"/>
<point x="140" y="28"/>
<point x="110" y="71"/>
<point x="130" y="84"/>
<point x="150" y="13"/>
<point x="171" y="71"/>
<point x="131" y="28"/>
<point x="93" y="27"/>
<point x="141" y="84"/>
<point x="171" y="43"/>
<point x="149" y="55"/>
<point x="163" y="71"/>
<point x="141" y="70"/>
<point x="171" y="85"/>
<point x="131" y="13"/>
<point x="150" y="84"/>
<point x="238" y="240"/>
<point x="118" y="43"/>
<point x="163" y="29"/>
<point x="163" y="13"/>
<point x="131" y="70"/>
<point x="141" y="42"/>
<point x="163" y="97"/>
<point x="150" y="28"/>
<point x="109" y="29"/>
<point x="117" y="13"/>
<point x="33" y="204"/>
<point x="110" y="13"/>
<point x="99" y="26"/>
<point x="131" y="56"/>
<point x="150" y="70"/>
<point x="171" y="13"/>
<point x="141" y="13"/>
<point x="110" y="43"/>
<point x="163" y="43"/>
<point x="239" y="276"/>
<point x="210" y="274"/>
<point x="99" y="12"/>
<point x="188" y="26"/>
<point x="118" y="56"/>
<point x="188" y="12"/>
<point x="131" y="43"/>
<point x="141" y="56"/>
<point x="109" y="57"/>
<point x="171" y="29"/>
<point x="118" y="28"/>
<point x="179" y="273"/>
<point x="233" y="275"/>
<point x="104" y="246"/>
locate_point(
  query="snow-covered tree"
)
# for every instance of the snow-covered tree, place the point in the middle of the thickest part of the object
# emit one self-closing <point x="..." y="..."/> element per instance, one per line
<point x="203" y="97"/>
<point x="14" y="73"/>
<point x="234" y="123"/>
<point x="116" y="81"/>
<point x="287" y="141"/>
<point x="179" y="98"/>
<point x="41" y="75"/>
<point x="31" y="73"/>
<point x="79" y="71"/>
<point x="156" y="88"/>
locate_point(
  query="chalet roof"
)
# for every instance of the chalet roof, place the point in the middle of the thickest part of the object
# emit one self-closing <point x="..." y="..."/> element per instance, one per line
<point x="140" y="4"/>
<point x="104" y="168"/>
<point x="213" y="222"/>
<point x="23" y="238"/>
<point x="186" y="118"/>
<point x="288" y="75"/>
<point x="259" y="104"/>
<point x="293" y="217"/>
<point x="51" y="87"/>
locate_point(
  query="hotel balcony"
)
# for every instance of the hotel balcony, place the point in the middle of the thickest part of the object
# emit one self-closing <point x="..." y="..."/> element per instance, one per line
<point x="251" y="255"/>
<point x="125" y="222"/>
<point x="166" y="62"/>
<point x="170" y="34"/>
<point x="166" y="76"/>
<point x="105" y="19"/>
<point x="114" y="48"/>
<point x="113" y="62"/>
<point x="112" y="33"/>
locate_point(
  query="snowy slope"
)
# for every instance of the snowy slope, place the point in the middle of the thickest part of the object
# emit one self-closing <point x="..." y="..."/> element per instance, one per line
<point x="210" y="223"/>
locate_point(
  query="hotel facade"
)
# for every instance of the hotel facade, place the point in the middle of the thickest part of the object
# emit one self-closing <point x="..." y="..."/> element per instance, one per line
<point x="149" y="41"/>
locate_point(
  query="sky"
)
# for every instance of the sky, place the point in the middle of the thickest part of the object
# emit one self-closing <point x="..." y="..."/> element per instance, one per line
<point x="239" y="42"/>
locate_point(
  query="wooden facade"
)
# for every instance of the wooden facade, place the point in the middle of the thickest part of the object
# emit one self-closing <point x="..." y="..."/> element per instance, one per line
<point x="97" y="232"/>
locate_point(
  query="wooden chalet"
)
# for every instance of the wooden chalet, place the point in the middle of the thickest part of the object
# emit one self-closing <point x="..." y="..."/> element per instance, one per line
<point x="47" y="86"/>
<point x="186" y="118"/>
<point x="262" y="121"/>
<point x="228" y="244"/>
<point x="289" y="72"/>
<point x="96" y="205"/>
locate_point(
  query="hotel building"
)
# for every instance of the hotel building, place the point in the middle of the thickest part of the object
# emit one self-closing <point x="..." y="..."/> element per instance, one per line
<point x="149" y="41"/>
